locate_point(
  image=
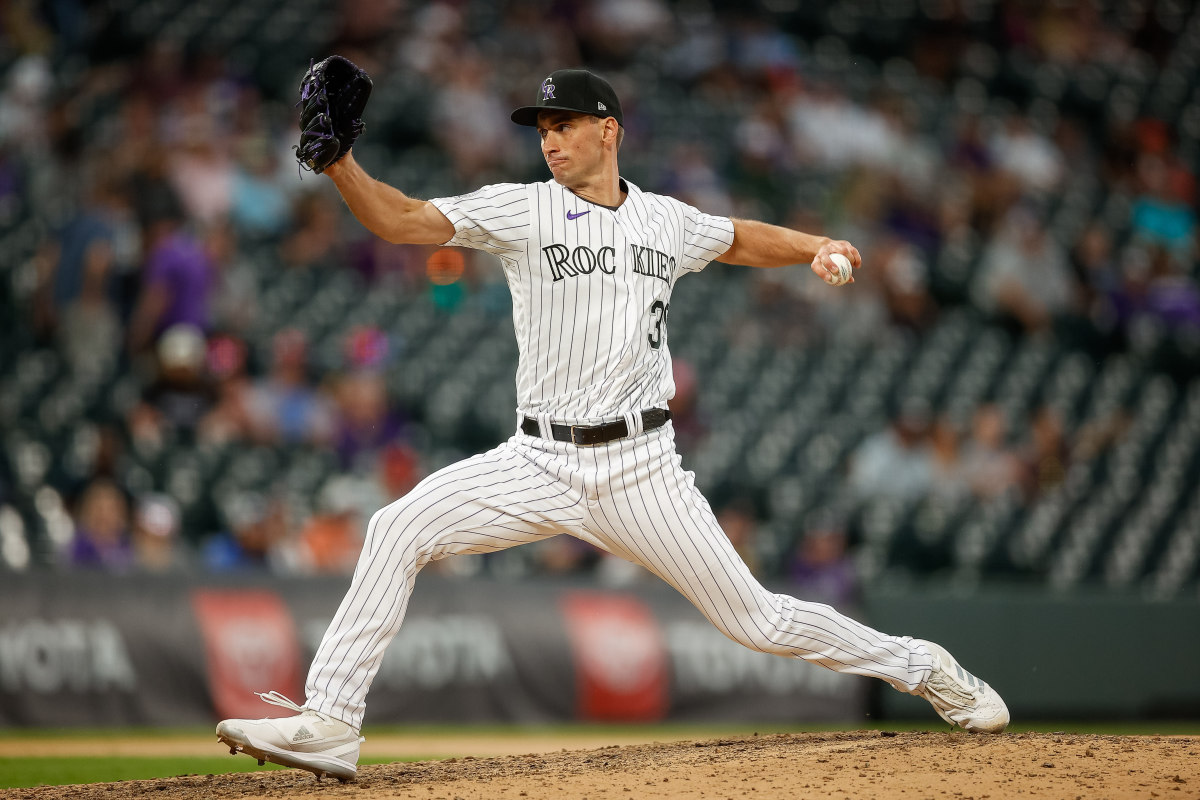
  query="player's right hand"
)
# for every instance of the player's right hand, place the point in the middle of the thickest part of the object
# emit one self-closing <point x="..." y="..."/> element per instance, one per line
<point x="824" y="267"/>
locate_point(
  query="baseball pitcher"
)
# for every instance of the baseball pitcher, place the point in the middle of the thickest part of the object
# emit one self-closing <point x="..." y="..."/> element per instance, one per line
<point x="591" y="261"/>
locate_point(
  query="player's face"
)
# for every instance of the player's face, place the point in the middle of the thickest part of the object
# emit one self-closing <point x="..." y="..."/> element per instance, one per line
<point x="571" y="145"/>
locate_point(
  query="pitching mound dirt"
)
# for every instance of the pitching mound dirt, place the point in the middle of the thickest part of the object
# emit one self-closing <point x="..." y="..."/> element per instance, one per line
<point x="856" y="765"/>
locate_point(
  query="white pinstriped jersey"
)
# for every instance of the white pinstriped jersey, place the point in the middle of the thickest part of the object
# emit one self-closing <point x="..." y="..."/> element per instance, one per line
<point x="591" y="287"/>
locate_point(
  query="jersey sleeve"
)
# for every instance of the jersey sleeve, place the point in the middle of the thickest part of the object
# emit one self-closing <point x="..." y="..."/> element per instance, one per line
<point x="494" y="219"/>
<point x="705" y="237"/>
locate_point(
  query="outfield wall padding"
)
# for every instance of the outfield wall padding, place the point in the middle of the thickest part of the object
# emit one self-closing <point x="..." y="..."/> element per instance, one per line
<point x="95" y="650"/>
<point x="1077" y="655"/>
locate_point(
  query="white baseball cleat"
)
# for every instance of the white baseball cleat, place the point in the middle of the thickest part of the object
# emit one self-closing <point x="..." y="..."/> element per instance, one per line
<point x="310" y="740"/>
<point x="959" y="697"/>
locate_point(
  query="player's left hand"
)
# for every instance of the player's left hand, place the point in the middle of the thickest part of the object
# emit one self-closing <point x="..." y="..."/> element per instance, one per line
<point x="823" y="265"/>
<point x="333" y="94"/>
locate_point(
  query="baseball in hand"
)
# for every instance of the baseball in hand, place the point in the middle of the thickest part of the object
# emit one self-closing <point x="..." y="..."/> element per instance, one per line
<point x="844" y="270"/>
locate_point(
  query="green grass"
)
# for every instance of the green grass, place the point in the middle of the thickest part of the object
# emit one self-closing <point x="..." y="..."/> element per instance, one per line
<point x="52" y="770"/>
<point x="27" y="771"/>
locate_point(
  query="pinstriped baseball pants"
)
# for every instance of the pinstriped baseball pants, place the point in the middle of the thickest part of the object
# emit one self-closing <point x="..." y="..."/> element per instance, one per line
<point x="631" y="498"/>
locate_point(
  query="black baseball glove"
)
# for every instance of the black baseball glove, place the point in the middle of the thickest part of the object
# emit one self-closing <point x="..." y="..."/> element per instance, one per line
<point x="333" y="95"/>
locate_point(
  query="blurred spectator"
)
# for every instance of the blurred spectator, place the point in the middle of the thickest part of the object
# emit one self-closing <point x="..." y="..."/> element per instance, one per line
<point x="284" y="406"/>
<point x="102" y="537"/>
<point x="24" y="102"/>
<point x="833" y="131"/>
<point x="470" y="120"/>
<point x="235" y="292"/>
<point x="255" y="537"/>
<point x="948" y="475"/>
<point x="692" y="177"/>
<point x="331" y="539"/>
<point x="1157" y="301"/>
<point x="1099" y="280"/>
<point x="820" y="565"/>
<point x="181" y="393"/>
<point x="1031" y="157"/>
<point x="785" y="314"/>
<point x="1163" y="214"/>
<point x="177" y="282"/>
<point x="314" y="241"/>
<point x="1024" y="276"/>
<point x="89" y="330"/>
<point x="988" y="466"/>
<point x="617" y="28"/>
<point x="968" y="152"/>
<point x="156" y="543"/>
<point x="897" y="461"/>
<point x="905" y="280"/>
<point x="764" y="154"/>
<point x="365" y="423"/>
<point x="260" y="208"/>
<point x="89" y="247"/>
<point x="399" y="470"/>
<point x="231" y="416"/>
<point x="1172" y="296"/>
<point x="200" y="170"/>
<point x="1046" y="455"/>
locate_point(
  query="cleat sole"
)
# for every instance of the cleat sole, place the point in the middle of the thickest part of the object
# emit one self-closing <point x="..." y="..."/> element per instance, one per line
<point x="316" y="763"/>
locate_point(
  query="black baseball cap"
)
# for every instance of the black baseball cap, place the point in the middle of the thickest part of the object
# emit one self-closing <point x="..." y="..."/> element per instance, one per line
<point x="572" y="90"/>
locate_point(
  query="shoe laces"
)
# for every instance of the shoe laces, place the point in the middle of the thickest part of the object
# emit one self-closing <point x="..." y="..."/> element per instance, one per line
<point x="282" y="700"/>
<point x="942" y="686"/>
<point x="277" y="699"/>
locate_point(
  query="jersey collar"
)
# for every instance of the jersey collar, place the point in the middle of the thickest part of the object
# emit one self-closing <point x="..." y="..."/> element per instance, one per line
<point x="621" y="183"/>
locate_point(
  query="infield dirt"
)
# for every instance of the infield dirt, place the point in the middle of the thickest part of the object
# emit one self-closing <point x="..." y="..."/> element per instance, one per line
<point x="862" y="764"/>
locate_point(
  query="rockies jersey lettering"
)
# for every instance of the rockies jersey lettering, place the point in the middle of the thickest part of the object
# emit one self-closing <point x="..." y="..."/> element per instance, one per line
<point x="589" y="285"/>
<point x="565" y="262"/>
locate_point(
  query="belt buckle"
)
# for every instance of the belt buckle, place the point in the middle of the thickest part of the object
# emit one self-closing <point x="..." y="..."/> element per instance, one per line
<point x="575" y="441"/>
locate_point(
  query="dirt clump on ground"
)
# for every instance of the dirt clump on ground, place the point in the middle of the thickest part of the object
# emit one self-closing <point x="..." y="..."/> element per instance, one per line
<point x="861" y="764"/>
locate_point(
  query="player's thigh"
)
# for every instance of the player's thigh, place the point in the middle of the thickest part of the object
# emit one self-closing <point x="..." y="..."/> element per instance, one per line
<point x="488" y="502"/>
<point x="663" y="522"/>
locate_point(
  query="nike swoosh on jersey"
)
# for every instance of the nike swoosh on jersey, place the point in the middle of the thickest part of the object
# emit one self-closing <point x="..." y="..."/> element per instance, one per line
<point x="577" y="216"/>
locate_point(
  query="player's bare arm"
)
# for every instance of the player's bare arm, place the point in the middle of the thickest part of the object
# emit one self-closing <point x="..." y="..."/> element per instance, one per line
<point x="385" y="210"/>
<point x="759" y="244"/>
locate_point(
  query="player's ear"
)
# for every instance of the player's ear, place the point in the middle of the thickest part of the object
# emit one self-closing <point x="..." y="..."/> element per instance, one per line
<point x="611" y="130"/>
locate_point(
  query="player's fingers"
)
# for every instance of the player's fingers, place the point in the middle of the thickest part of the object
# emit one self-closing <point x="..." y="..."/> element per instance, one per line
<point x="848" y="250"/>
<point x="825" y="269"/>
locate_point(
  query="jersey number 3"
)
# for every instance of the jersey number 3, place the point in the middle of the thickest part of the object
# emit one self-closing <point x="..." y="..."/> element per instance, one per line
<point x="658" y="317"/>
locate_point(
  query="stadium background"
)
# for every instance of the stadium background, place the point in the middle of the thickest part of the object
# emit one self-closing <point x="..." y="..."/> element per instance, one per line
<point x="211" y="375"/>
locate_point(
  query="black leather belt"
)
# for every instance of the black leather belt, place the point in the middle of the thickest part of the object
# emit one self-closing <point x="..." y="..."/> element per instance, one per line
<point x="597" y="434"/>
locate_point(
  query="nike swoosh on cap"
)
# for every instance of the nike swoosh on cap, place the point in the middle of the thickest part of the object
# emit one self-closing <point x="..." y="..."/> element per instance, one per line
<point x="577" y="216"/>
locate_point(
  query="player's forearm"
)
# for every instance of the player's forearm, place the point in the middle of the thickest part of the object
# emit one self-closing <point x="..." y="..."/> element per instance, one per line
<point x="759" y="244"/>
<point x="382" y="209"/>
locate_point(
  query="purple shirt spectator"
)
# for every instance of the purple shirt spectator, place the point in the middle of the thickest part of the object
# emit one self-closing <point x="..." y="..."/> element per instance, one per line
<point x="179" y="267"/>
<point x="86" y="551"/>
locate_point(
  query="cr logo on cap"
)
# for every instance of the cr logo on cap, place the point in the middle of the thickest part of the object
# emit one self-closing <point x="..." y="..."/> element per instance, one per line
<point x="548" y="90"/>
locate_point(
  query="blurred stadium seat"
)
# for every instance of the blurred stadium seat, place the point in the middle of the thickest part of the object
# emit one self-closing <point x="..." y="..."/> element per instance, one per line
<point x="792" y="379"/>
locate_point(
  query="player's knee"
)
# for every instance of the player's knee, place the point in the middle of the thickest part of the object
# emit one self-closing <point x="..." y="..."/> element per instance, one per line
<point x="395" y="524"/>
